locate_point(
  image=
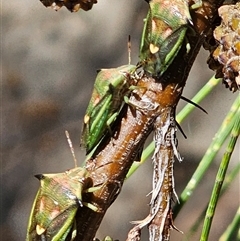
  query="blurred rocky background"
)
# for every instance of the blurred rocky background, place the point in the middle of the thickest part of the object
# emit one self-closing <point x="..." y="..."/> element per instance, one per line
<point x="49" y="63"/>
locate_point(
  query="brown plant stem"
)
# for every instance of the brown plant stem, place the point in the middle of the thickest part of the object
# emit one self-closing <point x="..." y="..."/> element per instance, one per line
<point x="163" y="179"/>
<point x="159" y="220"/>
<point x="115" y="155"/>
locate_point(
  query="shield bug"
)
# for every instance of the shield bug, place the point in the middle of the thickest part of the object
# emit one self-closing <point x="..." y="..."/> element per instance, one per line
<point x="163" y="34"/>
<point x="110" y="89"/>
<point x="60" y="195"/>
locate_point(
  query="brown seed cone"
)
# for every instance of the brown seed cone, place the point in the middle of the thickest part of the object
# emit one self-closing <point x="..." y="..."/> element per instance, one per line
<point x="225" y="59"/>
<point x="71" y="5"/>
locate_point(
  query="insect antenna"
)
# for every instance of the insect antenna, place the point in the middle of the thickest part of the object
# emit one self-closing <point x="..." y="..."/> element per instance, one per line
<point x="196" y="105"/>
<point x="129" y="49"/>
<point x="193" y="103"/>
<point x="71" y="147"/>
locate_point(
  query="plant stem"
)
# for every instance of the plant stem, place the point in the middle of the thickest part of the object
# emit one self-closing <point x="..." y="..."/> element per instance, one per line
<point x="220" y="177"/>
<point x="228" y="181"/>
<point x="208" y="158"/>
<point x="232" y="228"/>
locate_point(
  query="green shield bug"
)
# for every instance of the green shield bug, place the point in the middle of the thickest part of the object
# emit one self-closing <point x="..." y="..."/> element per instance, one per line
<point x="163" y="34"/>
<point x="110" y="89"/>
<point x="60" y="195"/>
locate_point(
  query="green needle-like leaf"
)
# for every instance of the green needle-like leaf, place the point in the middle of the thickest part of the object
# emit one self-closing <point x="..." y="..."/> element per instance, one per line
<point x="220" y="177"/>
<point x="232" y="228"/>
<point x="203" y="93"/>
<point x="211" y="152"/>
<point x="227" y="182"/>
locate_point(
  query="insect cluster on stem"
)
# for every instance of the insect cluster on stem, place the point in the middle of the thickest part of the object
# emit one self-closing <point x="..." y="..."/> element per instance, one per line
<point x="60" y="195"/>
